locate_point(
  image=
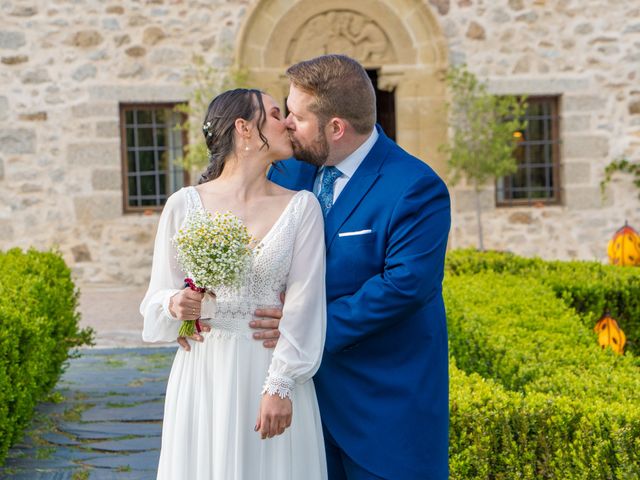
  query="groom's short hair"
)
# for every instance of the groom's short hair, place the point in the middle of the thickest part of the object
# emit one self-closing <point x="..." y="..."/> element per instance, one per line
<point x="342" y="88"/>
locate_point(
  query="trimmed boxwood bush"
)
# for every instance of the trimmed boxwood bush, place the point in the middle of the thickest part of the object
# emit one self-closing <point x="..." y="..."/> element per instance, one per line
<point x="502" y="435"/>
<point x="515" y="330"/>
<point x="589" y="287"/>
<point x="533" y="396"/>
<point x="38" y="326"/>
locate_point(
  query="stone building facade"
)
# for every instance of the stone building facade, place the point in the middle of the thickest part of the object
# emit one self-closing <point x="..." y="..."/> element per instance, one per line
<point x="68" y="66"/>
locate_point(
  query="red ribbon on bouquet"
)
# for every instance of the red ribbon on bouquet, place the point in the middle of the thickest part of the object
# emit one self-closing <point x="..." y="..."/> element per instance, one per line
<point x="188" y="282"/>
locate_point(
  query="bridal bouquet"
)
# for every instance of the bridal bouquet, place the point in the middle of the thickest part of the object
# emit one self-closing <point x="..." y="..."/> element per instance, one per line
<point x="215" y="251"/>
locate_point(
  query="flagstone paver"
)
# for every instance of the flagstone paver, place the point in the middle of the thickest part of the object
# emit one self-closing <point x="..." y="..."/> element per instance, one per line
<point x="103" y="422"/>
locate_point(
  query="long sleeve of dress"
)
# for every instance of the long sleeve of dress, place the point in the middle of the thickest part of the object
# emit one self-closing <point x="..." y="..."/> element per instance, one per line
<point x="167" y="278"/>
<point x="298" y="352"/>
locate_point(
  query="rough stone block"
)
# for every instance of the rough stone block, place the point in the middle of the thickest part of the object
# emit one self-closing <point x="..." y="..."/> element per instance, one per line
<point x="17" y="140"/>
<point x="476" y="31"/>
<point x="442" y="6"/>
<point x="4" y="108"/>
<point x="38" y="75"/>
<point x="585" y="198"/>
<point x="106" y="179"/>
<point x="94" y="153"/>
<point x="85" y="39"/>
<point x="152" y="35"/>
<point x="465" y="200"/>
<point x="15" y="59"/>
<point x="95" y="110"/>
<point x="536" y="85"/>
<point x="31" y="187"/>
<point x="91" y="208"/>
<point x="576" y="173"/>
<point x="585" y="146"/>
<point x="143" y="93"/>
<point x="84" y="72"/>
<point x="168" y="56"/>
<point x="575" y="123"/>
<point x="524" y="218"/>
<point x="24" y="11"/>
<point x="583" y="103"/>
<point x="136" y="51"/>
<point x="6" y="230"/>
<point x="108" y="129"/>
<point x="33" y="117"/>
<point x="12" y="40"/>
<point x="81" y="253"/>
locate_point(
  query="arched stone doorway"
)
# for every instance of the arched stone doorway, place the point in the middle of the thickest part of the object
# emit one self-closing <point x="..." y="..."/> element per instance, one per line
<point x="398" y="39"/>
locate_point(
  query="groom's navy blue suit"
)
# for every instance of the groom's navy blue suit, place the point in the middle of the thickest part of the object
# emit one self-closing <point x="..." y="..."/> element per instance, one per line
<point x="383" y="383"/>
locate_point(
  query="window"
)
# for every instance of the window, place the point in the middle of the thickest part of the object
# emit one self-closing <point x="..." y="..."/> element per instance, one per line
<point x="150" y="146"/>
<point x="537" y="156"/>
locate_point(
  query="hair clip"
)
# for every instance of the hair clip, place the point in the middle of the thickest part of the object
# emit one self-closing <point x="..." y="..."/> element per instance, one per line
<point x="206" y="131"/>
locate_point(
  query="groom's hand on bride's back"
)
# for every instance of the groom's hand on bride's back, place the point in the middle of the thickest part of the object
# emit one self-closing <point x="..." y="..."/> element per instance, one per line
<point x="267" y="321"/>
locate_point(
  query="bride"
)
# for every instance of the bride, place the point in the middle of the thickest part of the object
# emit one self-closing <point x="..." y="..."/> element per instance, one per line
<point x="215" y="390"/>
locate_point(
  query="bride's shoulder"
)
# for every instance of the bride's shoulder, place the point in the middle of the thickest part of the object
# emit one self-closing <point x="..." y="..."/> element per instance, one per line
<point x="177" y="199"/>
<point x="299" y="199"/>
<point x="309" y="203"/>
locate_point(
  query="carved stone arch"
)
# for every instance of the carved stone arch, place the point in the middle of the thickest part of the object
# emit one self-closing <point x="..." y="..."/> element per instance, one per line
<point x="399" y="38"/>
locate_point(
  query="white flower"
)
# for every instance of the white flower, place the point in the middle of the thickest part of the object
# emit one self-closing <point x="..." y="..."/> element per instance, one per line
<point x="214" y="250"/>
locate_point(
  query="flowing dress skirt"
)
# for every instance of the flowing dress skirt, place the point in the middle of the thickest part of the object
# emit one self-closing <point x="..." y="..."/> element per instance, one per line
<point x="211" y="408"/>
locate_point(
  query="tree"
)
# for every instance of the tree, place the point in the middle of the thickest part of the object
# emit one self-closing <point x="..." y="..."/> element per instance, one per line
<point x="206" y="82"/>
<point x="486" y="131"/>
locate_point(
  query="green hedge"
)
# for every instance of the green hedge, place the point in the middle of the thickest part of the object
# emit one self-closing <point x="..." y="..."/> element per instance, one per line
<point x="589" y="287"/>
<point x="38" y="326"/>
<point x="532" y="395"/>
<point x="501" y="435"/>
<point x="515" y="330"/>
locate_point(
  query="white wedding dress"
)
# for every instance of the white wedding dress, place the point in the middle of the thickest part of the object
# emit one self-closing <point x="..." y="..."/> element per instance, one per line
<point x="214" y="391"/>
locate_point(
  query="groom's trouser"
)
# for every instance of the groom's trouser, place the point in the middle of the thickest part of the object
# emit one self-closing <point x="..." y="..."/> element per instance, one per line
<point x="340" y="466"/>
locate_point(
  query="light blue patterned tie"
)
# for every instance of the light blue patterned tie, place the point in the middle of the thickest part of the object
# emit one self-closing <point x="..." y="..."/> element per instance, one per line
<point x="325" y="196"/>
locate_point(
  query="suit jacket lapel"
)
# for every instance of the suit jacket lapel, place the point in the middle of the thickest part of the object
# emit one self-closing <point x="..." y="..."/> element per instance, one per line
<point x="363" y="179"/>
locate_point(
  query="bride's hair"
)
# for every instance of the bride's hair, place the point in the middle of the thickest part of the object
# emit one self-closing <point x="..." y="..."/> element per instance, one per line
<point x="219" y="125"/>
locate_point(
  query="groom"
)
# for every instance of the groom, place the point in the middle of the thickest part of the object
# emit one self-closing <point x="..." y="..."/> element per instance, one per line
<point x="383" y="383"/>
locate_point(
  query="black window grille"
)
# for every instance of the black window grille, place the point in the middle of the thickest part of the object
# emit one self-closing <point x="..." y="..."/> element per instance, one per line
<point x="151" y="144"/>
<point x="537" y="155"/>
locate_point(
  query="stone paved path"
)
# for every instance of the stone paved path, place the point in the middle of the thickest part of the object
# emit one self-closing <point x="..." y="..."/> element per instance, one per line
<point x="103" y="421"/>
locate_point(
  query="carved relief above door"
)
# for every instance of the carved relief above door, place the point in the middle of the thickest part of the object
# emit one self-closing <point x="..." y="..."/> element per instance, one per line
<point x="345" y="31"/>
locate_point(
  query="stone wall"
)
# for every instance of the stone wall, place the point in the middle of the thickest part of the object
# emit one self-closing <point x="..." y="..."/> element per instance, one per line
<point x="66" y="65"/>
<point x="588" y="54"/>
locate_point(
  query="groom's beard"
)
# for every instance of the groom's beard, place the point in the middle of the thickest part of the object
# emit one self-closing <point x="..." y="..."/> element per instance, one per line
<point x="316" y="153"/>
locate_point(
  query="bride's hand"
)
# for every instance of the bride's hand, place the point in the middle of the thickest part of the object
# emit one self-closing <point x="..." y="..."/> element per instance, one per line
<point x="186" y="304"/>
<point x="274" y="415"/>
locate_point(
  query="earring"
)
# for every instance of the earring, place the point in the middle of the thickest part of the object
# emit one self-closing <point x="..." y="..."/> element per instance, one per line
<point x="246" y="145"/>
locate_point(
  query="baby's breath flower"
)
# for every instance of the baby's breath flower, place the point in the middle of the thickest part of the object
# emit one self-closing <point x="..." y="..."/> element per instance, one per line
<point x="214" y="251"/>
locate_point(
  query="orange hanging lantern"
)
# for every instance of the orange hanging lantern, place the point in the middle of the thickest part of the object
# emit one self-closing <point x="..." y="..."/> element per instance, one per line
<point x="624" y="247"/>
<point x="610" y="334"/>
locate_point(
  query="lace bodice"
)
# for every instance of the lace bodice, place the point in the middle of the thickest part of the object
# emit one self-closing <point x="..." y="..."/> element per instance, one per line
<point x="266" y="276"/>
<point x="290" y="258"/>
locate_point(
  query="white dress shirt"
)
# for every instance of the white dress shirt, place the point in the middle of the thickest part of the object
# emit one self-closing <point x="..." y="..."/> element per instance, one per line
<point x="347" y="167"/>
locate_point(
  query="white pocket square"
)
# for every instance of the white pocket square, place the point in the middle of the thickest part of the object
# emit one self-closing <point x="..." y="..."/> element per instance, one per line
<point x="351" y="234"/>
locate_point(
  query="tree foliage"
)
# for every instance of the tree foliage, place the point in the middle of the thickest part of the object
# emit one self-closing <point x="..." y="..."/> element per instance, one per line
<point x="206" y="82"/>
<point x="483" y="125"/>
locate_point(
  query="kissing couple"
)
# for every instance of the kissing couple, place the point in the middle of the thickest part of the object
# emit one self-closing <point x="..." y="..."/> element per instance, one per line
<point x="327" y="357"/>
